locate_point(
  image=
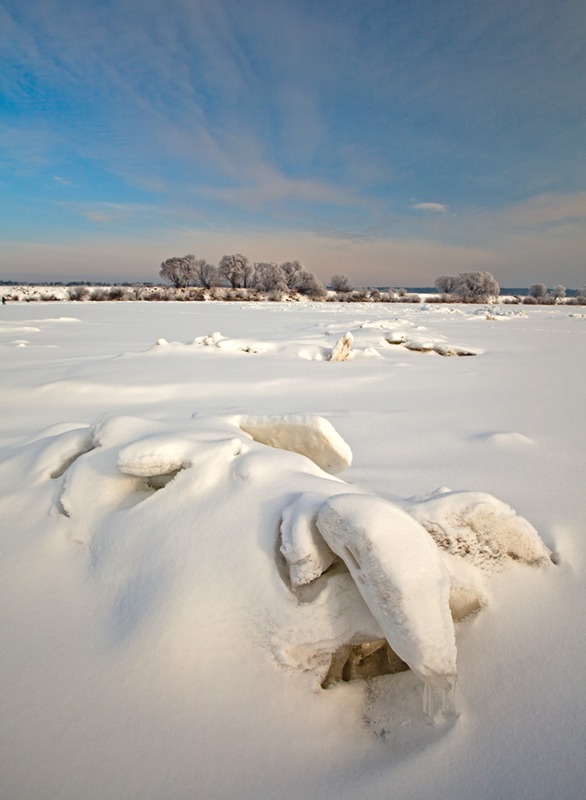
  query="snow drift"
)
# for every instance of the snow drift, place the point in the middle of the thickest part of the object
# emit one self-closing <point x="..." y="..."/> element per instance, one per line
<point x="121" y="478"/>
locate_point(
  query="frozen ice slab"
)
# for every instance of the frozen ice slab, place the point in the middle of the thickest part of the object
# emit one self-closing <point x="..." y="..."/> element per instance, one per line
<point x="400" y="574"/>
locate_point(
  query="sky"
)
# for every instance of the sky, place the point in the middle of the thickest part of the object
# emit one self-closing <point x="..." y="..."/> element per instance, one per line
<point x="389" y="140"/>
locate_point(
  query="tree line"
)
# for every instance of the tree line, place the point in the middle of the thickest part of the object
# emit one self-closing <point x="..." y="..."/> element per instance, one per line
<point x="237" y="272"/>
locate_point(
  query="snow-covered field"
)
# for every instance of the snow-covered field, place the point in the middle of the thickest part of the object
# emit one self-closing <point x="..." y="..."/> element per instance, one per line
<point x="173" y="587"/>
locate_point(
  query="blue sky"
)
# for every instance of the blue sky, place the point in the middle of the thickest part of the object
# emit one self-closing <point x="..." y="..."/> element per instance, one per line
<point x="393" y="141"/>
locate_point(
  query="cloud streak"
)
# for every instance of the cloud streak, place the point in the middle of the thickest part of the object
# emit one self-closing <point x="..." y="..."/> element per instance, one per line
<point x="436" y="208"/>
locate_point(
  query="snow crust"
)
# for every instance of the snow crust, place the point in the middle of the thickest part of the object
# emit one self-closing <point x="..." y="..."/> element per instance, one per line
<point x="176" y="568"/>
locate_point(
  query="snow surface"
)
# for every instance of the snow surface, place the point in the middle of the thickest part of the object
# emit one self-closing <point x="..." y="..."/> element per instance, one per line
<point x="172" y="504"/>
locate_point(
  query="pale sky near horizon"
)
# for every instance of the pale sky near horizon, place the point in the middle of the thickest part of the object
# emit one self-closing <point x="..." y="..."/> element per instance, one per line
<point x="391" y="140"/>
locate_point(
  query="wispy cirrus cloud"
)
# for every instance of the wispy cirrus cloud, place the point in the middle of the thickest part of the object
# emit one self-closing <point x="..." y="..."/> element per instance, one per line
<point x="436" y="208"/>
<point x="108" y="213"/>
<point x="547" y="209"/>
<point x="325" y="118"/>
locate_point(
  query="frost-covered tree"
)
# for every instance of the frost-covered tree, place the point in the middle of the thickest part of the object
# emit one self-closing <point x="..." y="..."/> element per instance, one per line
<point x="179" y="270"/>
<point x="559" y="291"/>
<point x="308" y="284"/>
<point x="446" y="283"/>
<point x="476" y="286"/>
<point x="290" y="271"/>
<point x="236" y="270"/>
<point x="538" y="290"/>
<point x="207" y="275"/>
<point x="340" y="283"/>
<point x="269" y="277"/>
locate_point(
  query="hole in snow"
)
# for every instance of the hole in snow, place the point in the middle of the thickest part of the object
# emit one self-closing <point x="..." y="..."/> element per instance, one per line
<point x="363" y="661"/>
<point x="160" y="481"/>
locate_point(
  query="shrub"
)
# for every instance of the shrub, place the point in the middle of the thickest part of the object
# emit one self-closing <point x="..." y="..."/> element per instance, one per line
<point x="538" y="290"/>
<point x="78" y="292"/>
<point x="340" y="283"/>
<point x="410" y="298"/>
<point x="469" y="287"/>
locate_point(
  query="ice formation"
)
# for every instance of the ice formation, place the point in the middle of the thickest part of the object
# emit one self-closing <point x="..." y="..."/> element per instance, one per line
<point x="400" y="575"/>
<point x="347" y="344"/>
<point x="342" y="350"/>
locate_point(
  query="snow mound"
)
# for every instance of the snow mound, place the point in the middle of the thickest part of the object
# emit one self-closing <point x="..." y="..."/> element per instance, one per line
<point x="423" y="345"/>
<point x="238" y="520"/>
<point x="505" y="438"/>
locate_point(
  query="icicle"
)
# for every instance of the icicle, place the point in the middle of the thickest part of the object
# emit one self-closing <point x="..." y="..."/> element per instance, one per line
<point x="439" y="702"/>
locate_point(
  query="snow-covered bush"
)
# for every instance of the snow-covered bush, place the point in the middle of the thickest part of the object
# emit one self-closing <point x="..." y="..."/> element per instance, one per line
<point x="78" y="292"/>
<point x="538" y="290"/>
<point x="559" y="292"/>
<point x="469" y="287"/>
<point x="340" y="283"/>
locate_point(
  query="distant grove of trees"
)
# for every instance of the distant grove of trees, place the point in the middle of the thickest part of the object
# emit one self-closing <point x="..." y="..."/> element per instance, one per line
<point x="237" y="272"/>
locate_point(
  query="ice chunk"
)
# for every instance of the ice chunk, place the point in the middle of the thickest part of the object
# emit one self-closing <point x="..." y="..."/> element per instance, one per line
<point x="341" y="351"/>
<point x="479" y="528"/>
<point x="311" y="436"/>
<point x="420" y="345"/>
<point x="305" y="551"/>
<point x="399" y="573"/>
<point x="454" y="350"/>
